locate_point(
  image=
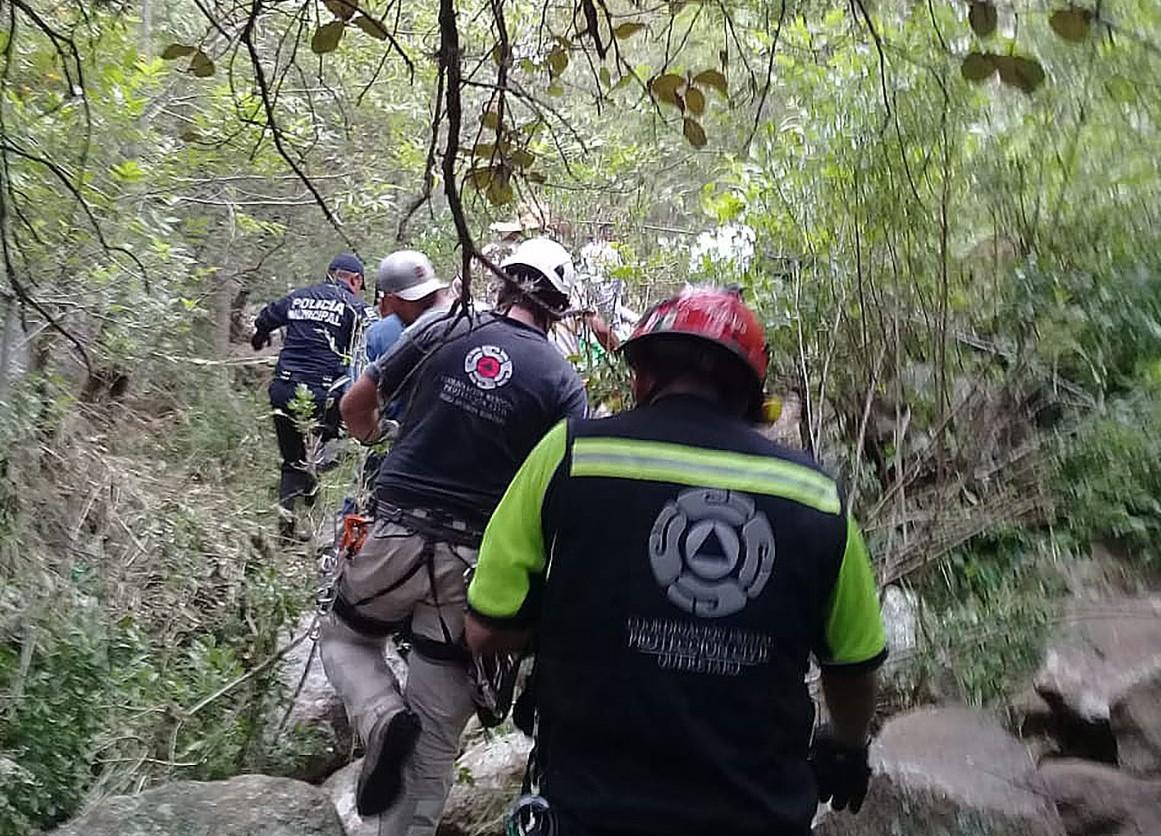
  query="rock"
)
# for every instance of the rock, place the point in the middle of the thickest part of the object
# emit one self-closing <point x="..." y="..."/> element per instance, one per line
<point x="1097" y="800"/>
<point x="1100" y="650"/>
<point x="488" y="777"/>
<point x="1135" y="722"/>
<point x="340" y="788"/>
<point x="948" y="772"/>
<point x="1105" y="571"/>
<point x="254" y="805"/>
<point x="316" y="738"/>
<point x="900" y="619"/>
<point x="1031" y="719"/>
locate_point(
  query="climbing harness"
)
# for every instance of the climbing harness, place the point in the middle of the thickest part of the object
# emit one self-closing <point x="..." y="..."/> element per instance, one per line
<point x="351" y="538"/>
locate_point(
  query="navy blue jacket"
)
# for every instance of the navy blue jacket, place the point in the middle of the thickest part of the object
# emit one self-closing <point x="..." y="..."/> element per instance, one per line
<point x="322" y="322"/>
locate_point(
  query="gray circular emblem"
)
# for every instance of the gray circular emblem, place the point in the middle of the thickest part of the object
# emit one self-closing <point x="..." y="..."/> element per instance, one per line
<point x="711" y="551"/>
<point x="488" y="366"/>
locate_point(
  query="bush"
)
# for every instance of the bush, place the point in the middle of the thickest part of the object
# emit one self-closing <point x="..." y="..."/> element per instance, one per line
<point x="1108" y="477"/>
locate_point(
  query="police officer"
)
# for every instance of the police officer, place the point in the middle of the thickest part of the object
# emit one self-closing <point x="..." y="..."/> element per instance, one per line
<point x="678" y="570"/>
<point x="481" y="389"/>
<point x="322" y="323"/>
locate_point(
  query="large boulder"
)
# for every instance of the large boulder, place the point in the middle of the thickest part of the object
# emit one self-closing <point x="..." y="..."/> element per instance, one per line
<point x="488" y="779"/>
<point x="340" y="788"/>
<point x="253" y="805"/>
<point x="1097" y="800"/>
<point x="1135" y="722"/>
<point x="948" y="772"/>
<point x="1100" y="649"/>
<point x="308" y="735"/>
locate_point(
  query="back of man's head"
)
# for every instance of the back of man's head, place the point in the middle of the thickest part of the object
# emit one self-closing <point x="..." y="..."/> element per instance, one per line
<point x="407" y="282"/>
<point x="347" y="269"/>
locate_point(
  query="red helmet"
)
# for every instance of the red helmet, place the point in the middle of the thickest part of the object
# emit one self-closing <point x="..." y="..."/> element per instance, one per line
<point x="713" y="314"/>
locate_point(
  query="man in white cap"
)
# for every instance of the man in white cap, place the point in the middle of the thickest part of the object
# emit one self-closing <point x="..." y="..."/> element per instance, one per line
<point x="407" y="288"/>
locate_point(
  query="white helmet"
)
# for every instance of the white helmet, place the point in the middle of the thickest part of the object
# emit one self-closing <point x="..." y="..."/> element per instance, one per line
<point x="548" y="259"/>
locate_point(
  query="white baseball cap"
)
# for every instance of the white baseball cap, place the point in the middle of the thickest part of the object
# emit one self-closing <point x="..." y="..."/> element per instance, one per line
<point x="409" y="275"/>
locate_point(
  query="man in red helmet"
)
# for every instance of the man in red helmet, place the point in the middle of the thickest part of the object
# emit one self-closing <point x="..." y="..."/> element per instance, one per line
<point x="678" y="570"/>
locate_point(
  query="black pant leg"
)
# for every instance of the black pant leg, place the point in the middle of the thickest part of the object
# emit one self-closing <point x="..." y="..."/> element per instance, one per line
<point x="295" y="479"/>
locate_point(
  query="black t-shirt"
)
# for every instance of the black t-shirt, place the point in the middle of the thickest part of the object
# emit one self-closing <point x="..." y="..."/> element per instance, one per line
<point x="321" y="323"/>
<point x="679" y="569"/>
<point x="480" y="391"/>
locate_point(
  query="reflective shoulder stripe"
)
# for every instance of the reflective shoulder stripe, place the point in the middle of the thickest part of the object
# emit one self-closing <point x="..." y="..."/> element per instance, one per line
<point x="654" y="461"/>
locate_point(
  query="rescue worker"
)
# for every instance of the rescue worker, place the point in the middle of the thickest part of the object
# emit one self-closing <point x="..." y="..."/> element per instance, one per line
<point x="482" y="388"/>
<point x="406" y="287"/>
<point x="678" y="570"/>
<point x="322" y="323"/>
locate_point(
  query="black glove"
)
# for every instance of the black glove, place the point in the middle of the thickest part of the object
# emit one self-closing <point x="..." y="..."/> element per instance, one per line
<point x="841" y="771"/>
<point x="260" y="339"/>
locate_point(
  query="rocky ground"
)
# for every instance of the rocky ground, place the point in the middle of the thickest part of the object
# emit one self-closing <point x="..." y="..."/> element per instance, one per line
<point x="1077" y="754"/>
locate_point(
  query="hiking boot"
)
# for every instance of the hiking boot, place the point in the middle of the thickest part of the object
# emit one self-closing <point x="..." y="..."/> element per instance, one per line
<point x="381" y="778"/>
<point x="286" y="528"/>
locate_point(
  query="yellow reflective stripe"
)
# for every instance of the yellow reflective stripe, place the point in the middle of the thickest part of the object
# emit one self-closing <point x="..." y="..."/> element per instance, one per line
<point x="655" y="461"/>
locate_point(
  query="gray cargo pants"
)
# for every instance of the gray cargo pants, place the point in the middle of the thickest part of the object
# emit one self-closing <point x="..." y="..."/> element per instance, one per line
<point x="439" y="692"/>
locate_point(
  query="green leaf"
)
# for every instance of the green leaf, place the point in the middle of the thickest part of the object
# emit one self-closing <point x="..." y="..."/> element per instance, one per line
<point x="130" y="171"/>
<point x="627" y="30"/>
<point x="1071" y="24"/>
<point x="664" y="87"/>
<point x="490" y="119"/>
<point x="177" y="51"/>
<point x="522" y="158"/>
<point x="555" y="89"/>
<point x="481" y="178"/>
<point x="605" y="77"/>
<point x="978" y="66"/>
<point x="622" y="83"/>
<point x="695" y="101"/>
<point x="484" y="149"/>
<point x="557" y="62"/>
<point x="982" y="18"/>
<point x="1121" y="90"/>
<point x="1022" y="73"/>
<point x="714" y="79"/>
<point x="536" y="177"/>
<point x="327" y="38"/>
<point x="693" y="132"/>
<point x="499" y="191"/>
<point x="342" y="9"/>
<point x="201" y="65"/>
<point x="372" y="27"/>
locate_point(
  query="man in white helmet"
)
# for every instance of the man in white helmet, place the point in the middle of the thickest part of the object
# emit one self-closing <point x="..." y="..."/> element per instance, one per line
<point x="481" y="390"/>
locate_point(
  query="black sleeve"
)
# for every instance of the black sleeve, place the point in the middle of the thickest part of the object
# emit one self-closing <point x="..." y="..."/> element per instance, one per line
<point x="273" y="316"/>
